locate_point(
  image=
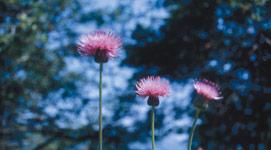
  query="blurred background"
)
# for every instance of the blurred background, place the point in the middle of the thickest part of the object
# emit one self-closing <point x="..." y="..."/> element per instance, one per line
<point x="49" y="94"/>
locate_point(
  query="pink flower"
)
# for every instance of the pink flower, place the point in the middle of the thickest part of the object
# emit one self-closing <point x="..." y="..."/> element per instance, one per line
<point x="200" y="148"/>
<point x="207" y="89"/>
<point x="100" y="44"/>
<point x="153" y="86"/>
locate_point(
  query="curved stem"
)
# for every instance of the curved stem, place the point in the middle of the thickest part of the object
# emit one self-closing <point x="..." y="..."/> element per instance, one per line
<point x="100" y="109"/>
<point x="193" y="129"/>
<point x="152" y="128"/>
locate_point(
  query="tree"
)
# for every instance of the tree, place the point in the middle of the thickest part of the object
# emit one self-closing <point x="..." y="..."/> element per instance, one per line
<point x="31" y="73"/>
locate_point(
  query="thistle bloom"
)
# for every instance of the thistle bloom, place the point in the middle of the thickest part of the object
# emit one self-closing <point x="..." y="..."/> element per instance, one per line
<point x="100" y="44"/>
<point x="153" y="87"/>
<point x="200" y="148"/>
<point x="207" y="89"/>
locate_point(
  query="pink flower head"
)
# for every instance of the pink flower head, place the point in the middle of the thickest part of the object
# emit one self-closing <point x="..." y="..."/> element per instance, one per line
<point x="200" y="148"/>
<point x="153" y="86"/>
<point x="101" y="44"/>
<point x="207" y="89"/>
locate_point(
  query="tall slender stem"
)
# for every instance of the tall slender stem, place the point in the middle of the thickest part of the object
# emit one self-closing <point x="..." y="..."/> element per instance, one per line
<point x="2" y="127"/>
<point x="193" y="129"/>
<point x="152" y="128"/>
<point x="100" y="109"/>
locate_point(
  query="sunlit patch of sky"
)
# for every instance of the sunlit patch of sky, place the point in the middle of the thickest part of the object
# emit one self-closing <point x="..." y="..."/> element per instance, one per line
<point x="21" y="74"/>
<point x="212" y="64"/>
<point x="99" y="4"/>
<point x="51" y="110"/>
<point x="135" y="12"/>
<point x="220" y="24"/>
<point x="227" y="67"/>
<point x="56" y="39"/>
<point x="251" y="30"/>
<point x="242" y="74"/>
<point x="171" y="142"/>
<point x="181" y="100"/>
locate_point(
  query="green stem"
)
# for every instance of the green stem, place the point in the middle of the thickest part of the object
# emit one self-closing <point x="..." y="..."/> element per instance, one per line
<point x="193" y="129"/>
<point x="100" y="109"/>
<point x="152" y="128"/>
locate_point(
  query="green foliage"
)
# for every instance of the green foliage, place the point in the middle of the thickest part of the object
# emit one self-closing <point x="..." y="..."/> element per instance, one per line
<point x="29" y="70"/>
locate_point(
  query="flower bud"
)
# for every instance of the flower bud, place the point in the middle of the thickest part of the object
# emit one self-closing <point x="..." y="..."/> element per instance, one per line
<point x="101" y="56"/>
<point x="153" y="101"/>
